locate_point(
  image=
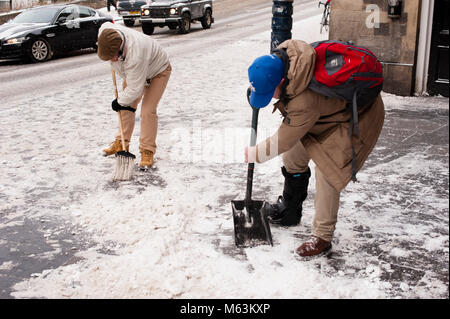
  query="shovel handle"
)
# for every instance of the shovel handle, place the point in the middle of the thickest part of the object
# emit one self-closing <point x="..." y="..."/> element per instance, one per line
<point x="251" y="166"/>
<point x="119" y="114"/>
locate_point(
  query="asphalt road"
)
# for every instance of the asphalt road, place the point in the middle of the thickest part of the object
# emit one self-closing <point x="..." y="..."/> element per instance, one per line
<point x="82" y="67"/>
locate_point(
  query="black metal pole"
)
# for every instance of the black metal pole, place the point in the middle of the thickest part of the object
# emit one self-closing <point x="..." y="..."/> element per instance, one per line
<point x="281" y="22"/>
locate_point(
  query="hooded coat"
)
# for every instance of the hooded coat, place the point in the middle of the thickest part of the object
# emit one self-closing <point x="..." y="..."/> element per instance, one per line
<point x="321" y="123"/>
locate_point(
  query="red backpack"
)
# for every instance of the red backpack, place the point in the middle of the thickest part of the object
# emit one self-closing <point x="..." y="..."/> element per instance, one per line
<point x="348" y="72"/>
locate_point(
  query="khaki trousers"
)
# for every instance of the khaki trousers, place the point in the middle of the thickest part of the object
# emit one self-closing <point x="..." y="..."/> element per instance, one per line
<point x="149" y="118"/>
<point x="326" y="201"/>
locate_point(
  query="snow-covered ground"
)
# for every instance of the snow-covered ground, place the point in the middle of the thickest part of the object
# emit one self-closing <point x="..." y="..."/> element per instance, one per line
<point x="169" y="233"/>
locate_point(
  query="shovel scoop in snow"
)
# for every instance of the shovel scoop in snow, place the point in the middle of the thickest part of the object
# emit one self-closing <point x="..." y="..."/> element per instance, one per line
<point x="251" y="227"/>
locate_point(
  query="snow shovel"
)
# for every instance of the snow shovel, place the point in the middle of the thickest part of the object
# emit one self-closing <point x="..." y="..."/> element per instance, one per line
<point x="124" y="160"/>
<point x="251" y="227"/>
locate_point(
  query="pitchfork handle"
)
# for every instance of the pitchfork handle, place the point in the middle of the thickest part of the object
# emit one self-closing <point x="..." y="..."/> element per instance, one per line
<point x="251" y="166"/>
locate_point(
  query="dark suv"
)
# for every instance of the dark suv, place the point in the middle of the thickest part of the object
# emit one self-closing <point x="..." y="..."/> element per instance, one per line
<point x="130" y="10"/>
<point x="176" y="14"/>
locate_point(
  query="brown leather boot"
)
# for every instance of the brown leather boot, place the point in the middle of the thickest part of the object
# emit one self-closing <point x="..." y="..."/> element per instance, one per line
<point x="146" y="159"/>
<point x="115" y="147"/>
<point x="314" y="247"/>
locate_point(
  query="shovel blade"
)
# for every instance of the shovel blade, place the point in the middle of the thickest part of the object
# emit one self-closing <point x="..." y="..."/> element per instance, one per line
<point x="251" y="227"/>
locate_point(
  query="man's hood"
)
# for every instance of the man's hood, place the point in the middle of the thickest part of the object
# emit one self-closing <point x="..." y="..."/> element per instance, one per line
<point x="302" y="58"/>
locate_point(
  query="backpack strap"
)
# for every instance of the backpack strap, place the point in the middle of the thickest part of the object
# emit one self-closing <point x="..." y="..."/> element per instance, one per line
<point x="354" y="129"/>
<point x="355" y="113"/>
<point x="354" y="163"/>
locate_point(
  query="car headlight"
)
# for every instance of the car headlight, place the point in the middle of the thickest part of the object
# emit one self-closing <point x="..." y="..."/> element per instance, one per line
<point x="16" y="40"/>
<point x="173" y="11"/>
<point x="146" y="12"/>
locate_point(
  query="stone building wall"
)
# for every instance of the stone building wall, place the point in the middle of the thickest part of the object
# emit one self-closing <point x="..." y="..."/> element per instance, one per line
<point x="394" y="41"/>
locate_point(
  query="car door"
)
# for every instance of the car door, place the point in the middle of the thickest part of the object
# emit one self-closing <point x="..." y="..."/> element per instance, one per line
<point x="68" y="30"/>
<point x="89" y="26"/>
<point x="196" y="8"/>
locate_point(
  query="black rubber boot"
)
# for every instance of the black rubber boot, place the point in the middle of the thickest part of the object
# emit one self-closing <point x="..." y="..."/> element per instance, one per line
<point x="287" y="211"/>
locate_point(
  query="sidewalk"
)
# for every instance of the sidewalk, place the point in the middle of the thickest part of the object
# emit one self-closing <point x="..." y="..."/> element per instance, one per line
<point x="67" y="231"/>
<point x="402" y="220"/>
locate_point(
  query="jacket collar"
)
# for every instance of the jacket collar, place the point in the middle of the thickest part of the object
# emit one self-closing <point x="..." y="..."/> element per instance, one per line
<point x="123" y="48"/>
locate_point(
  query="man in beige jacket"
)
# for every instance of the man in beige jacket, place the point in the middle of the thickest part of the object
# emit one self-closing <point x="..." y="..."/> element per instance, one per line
<point x="145" y="69"/>
<point x="315" y="128"/>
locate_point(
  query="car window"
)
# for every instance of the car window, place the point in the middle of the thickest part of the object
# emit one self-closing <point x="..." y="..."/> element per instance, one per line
<point x="39" y="15"/>
<point x="67" y="14"/>
<point x="85" y="12"/>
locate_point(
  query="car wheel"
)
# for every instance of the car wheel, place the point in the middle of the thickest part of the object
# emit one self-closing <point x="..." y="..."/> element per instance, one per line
<point x="207" y="20"/>
<point x="40" y="50"/>
<point x="148" y="28"/>
<point x="128" y="23"/>
<point x="185" y="24"/>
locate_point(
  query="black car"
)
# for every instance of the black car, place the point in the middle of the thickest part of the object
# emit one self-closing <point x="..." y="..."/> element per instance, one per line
<point x="130" y="10"/>
<point x="176" y="14"/>
<point x="39" y="32"/>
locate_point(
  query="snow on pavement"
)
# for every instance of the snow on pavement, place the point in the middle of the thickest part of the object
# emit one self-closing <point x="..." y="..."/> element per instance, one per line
<point x="169" y="234"/>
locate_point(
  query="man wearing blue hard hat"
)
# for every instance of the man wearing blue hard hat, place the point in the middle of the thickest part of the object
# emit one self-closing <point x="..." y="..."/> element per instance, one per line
<point x="314" y="127"/>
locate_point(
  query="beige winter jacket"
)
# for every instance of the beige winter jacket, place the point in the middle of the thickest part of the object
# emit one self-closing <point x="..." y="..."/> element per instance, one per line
<point x="321" y="123"/>
<point x="144" y="59"/>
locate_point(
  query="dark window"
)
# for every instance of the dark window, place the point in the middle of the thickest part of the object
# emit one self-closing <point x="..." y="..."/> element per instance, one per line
<point x="85" y="12"/>
<point x="36" y="15"/>
<point x="67" y="14"/>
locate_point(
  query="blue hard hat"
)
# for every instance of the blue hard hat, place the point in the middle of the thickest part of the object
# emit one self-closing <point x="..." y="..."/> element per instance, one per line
<point x="264" y="75"/>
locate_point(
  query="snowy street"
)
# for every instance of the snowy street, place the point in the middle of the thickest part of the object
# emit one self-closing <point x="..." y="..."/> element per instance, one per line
<point x="68" y="231"/>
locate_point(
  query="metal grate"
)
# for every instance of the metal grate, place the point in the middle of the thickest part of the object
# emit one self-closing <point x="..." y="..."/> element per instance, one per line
<point x="159" y="13"/>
